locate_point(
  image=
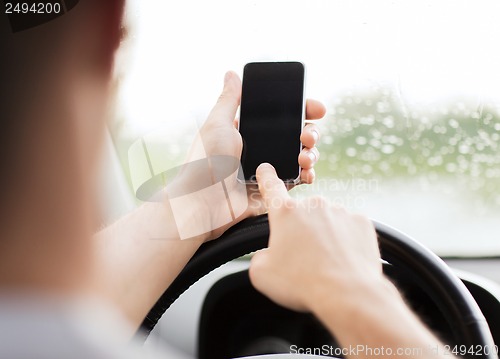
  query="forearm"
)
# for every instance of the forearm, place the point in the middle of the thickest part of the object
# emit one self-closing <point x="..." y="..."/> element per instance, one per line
<point x="377" y="322"/>
<point x="139" y="256"/>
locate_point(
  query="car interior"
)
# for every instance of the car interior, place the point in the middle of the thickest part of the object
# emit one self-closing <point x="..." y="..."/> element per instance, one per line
<point x="411" y="138"/>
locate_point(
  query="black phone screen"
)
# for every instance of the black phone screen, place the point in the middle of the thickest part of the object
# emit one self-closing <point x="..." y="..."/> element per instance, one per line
<point x="271" y="117"/>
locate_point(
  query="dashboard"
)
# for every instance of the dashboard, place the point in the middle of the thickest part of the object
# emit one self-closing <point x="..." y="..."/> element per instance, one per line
<point x="222" y="316"/>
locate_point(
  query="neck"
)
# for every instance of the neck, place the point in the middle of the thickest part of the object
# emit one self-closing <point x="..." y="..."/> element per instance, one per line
<point x="45" y="221"/>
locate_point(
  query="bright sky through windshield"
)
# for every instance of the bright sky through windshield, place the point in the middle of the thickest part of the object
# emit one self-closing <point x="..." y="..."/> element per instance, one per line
<point x="430" y="49"/>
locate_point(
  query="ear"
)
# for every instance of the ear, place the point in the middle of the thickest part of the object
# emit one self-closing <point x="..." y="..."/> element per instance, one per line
<point x="112" y="25"/>
<point x="114" y="9"/>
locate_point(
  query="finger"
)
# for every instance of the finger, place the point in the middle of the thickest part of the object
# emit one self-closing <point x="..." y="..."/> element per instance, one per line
<point x="257" y="269"/>
<point x="236" y="123"/>
<point x="225" y="109"/>
<point x="308" y="157"/>
<point x="314" y="109"/>
<point x="310" y="135"/>
<point x="307" y="176"/>
<point x="255" y="204"/>
<point x="271" y="188"/>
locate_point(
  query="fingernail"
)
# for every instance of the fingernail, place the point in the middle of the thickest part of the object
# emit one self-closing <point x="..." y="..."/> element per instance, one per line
<point x="311" y="155"/>
<point x="315" y="135"/>
<point x="313" y="175"/>
<point x="265" y="166"/>
<point x="228" y="76"/>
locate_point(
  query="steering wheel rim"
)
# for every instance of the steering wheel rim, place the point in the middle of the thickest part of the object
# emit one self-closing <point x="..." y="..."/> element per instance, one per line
<point x="446" y="289"/>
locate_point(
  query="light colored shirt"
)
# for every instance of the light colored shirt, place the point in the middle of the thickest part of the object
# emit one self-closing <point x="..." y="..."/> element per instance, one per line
<point x="52" y="328"/>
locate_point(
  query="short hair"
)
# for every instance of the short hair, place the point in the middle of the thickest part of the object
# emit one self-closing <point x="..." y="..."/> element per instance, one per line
<point x="28" y="60"/>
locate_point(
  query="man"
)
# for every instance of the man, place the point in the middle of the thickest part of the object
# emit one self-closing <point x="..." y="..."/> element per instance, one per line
<point x="58" y="280"/>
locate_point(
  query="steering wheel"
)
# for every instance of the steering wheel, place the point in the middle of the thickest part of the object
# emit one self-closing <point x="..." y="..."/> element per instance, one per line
<point x="450" y="295"/>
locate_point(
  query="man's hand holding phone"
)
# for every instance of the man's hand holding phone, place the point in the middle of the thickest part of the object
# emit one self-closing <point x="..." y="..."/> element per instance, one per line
<point x="272" y="119"/>
<point x="220" y="137"/>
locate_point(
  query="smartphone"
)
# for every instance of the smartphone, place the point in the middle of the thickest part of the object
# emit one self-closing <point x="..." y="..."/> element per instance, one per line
<point x="272" y="116"/>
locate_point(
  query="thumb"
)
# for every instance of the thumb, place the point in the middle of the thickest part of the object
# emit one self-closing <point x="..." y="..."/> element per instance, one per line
<point x="259" y="270"/>
<point x="224" y="111"/>
<point x="272" y="189"/>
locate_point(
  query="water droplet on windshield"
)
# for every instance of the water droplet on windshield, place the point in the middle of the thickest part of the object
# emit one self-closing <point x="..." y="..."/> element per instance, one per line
<point x="463" y="149"/>
<point x="351" y="152"/>
<point x="387" y="149"/>
<point x="360" y="140"/>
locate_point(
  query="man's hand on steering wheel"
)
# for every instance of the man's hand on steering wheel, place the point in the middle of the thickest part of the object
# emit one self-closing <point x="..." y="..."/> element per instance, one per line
<point x="219" y="137"/>
<point x="313" y="247"/>
<point x="325" y="260"/>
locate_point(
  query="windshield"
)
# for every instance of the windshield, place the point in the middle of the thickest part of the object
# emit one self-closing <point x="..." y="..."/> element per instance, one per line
<point x="412" y="88"/>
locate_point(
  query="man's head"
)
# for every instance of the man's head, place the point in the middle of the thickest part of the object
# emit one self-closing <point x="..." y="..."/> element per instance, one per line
<point x="54" y="91"/>
<point x="43" y="67"/>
